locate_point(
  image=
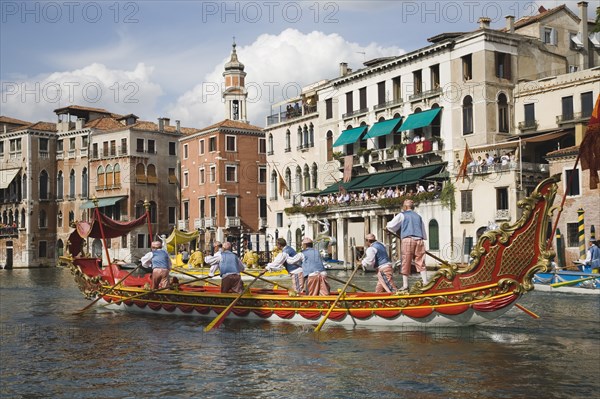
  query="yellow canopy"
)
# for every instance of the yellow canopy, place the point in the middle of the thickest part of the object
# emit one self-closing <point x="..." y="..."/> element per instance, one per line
<point x="180" y="237"/>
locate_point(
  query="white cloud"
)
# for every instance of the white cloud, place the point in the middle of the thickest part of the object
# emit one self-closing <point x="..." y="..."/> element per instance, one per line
<point x="95" y="85"/>
<point x="277" y="67"/>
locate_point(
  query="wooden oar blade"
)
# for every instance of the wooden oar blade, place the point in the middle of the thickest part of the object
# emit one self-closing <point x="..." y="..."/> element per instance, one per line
<point x="565" y="283"/>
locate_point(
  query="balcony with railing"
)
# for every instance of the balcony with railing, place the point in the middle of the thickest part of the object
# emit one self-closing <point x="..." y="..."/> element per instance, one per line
<point x="425" y="94"/>
<point x="262" y="223"/>
<point x="528" y="125"/>
<point x="291" y="114"/>
<point x="502" y="215"/>
<point x="467" y="217"/>
<point x="575" y="117"/>
<point x="354" y="114"/>
<point x="11" y="231"/>
<point x="199" y="223"/>
<point x="388" y="104"/>
<point x="72" y="154"/>
<point x="232" y="221"/>
<point x="210" y="222"/>
<point x="83" y="152"/>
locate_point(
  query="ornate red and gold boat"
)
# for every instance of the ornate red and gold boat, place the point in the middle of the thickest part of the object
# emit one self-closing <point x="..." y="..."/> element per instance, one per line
<point x="501" y="271"/>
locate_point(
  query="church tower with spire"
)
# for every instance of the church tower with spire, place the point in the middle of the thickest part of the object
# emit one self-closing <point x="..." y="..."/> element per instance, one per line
<point x="235" y="93"/>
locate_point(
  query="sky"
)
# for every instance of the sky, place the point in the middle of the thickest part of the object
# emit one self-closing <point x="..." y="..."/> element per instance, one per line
<point x="166" y="58"/>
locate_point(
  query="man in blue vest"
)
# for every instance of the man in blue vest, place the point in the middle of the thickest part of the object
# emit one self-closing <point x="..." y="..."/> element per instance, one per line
<point x="230" y="266"/>
<point x="593" y="257"/>
<point x="312" y="269"/>
<point x="376" y="257"/>
<point x="413" y="236"/>
<point x="161" y="264"/>
<point x="281" y="261"/>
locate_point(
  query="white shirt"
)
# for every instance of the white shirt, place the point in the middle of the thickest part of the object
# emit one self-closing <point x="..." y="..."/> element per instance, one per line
<point x="279" y="263"/>
<point x="370" y="257"/>
<point x="395" y="224"/>
<point x="213" y="261"/>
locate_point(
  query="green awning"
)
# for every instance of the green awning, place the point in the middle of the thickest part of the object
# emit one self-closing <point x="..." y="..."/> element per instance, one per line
<point x="387" y="179"/>
<point x="384" y="127"/>
<point x="420" y="119"/>
<point x="350" y="136"/>
<point x="102" y="202"/>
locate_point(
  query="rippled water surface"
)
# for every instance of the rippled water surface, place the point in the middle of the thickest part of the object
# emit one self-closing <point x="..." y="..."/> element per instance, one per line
<point x="47" y="352"/>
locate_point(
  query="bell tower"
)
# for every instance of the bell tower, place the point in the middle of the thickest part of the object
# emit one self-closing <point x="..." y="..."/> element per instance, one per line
<point x="235" y="93"/>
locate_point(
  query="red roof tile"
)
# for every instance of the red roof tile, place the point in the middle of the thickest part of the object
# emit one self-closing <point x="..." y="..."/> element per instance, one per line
<point x="13" y="121"/>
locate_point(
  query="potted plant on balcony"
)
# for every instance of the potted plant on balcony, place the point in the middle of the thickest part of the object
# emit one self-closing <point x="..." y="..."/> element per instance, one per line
<point x="395" y="150"/>
<point x="338" y="156"/>
<point x="363" y="154"/>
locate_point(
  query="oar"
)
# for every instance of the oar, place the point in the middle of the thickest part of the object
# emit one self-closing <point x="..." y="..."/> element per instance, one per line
<point x="443" y="262"/>
<point x="191" y="275"/>
<point x="109" y="291"/>
<point x="529" y="312"/>
<point x="268" y="281"/>
<point x="221" y="317"/>
<point x="318" y="328"/>
<point x="343" y="282"/>
<point x="563" y="283"/>
<point x="154" y="290"/>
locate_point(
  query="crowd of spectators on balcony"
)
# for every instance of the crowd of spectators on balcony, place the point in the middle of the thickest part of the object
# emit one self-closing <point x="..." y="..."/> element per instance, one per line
<point x="369" y="196"/>
<point x="490" y="163"/>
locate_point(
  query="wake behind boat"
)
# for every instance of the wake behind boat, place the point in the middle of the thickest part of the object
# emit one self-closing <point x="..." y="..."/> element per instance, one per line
<point x="501" y="271"/>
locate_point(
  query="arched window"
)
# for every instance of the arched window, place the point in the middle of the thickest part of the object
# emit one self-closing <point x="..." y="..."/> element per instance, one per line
<point x="288" y="140"/>
<point x="100" y="176"/>
<point x="72" y="184"/>
<point x="60" y="247"/>
<point x="24" y="187"/>
<point x="274" y="184"/>
<point x="139" y="209"/>
<point x="288" y="182"/>
<point x="298" y="179"/>
<point x="84" y="183"/>
<point x="43" y="185"/>
<point x="153" y="213"/>
<point x="467" y="112"/>
<point x="329" y="145"/>
<point x="434" y="235"/>
<point x="140" y="173"/>
<point x="502" y="113"/>
<point x="59" y="185"/>
<point x="299" y="137"/>
<point x="151" y="172"/>
<point x="305" y="140"/>
<point x="306" y="183"/>
<point x="43" y="221"/>
<point x="23" y="218"/>
<point x="4" y="217"/>
<point x="315" y="176"/>
<point x="71" y="217"/>
<point x="110" y="178"/>
<point x="59" y="219"/>
<point x="271" y="143"/>
<point x="311" y="135"/>
<point x="117" y="172"/>
<point x="11" y="219"/>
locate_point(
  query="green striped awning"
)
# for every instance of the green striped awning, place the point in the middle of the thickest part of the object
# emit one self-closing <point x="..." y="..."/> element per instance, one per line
<point x="350" y="136"/>
<point x="384" y="127"/>
<point x="420" y="119"/>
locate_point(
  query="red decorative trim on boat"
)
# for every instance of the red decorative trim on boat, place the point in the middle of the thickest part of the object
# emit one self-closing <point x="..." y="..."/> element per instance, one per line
<point x="389" y="314"/>
<point x="186" y="308"/>
<point x="155" y="305"/>
<point x="140" y="304"/>
<point x="415" y="313"/>
<point x="452" y="310"/>
<point x="240" y="312"/>
<point x="265" y="314"/>
<point x="169" y="307"/>
<point x="202" y="309"/>
<point x="311" y="315"/>
<point x="285" y="314"/>
<point x="491" y="306"/>
<point x="337" y="315"/>
<point x="361" y="314"/>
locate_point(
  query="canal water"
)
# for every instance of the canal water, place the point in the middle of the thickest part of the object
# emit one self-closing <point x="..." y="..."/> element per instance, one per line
<point x="47" y="352"/>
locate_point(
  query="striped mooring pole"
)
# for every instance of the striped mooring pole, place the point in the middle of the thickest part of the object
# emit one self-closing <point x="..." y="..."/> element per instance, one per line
<point x="581" y="233"/>
<point x="593" y="233"/>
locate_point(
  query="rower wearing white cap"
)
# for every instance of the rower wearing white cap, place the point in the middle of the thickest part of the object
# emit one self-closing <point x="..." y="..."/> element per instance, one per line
<point x="313" y="269"/>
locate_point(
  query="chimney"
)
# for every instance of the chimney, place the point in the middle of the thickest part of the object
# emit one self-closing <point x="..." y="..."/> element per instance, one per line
<point x="542" y="9"/>
<point x="583" y="30"/>
<point x="167" y="121"/>
<point x="510" y="23"/>
<point x="161" y="126"/>
<point x="343" y="68"/>
<point x="484" y="23"/>
<point x="178" y="126"/>
<point x="79" y="123"/>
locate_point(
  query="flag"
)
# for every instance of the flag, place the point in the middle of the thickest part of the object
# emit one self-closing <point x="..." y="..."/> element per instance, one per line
<point x="467" y="159"/>
<point x="589" y="149"/>
<point x="348" y="159"/>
